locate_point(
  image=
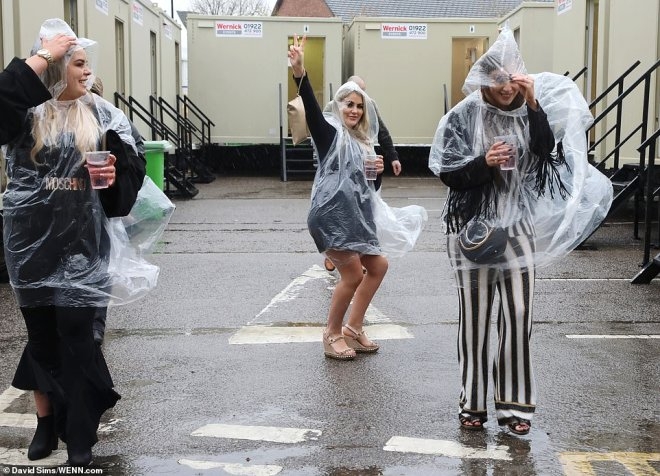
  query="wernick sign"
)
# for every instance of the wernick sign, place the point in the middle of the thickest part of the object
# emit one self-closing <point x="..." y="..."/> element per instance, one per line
<point x="239" y="29"/>
<point x="403" y="31"/>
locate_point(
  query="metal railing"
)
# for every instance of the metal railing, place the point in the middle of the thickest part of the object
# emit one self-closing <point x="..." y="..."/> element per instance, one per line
<point x="176" y="179"/>
<point x="651" y="190"/>
<point x="157" y="128"/>
<point x="617" y="105"/>
<point x="578" y="74"/>
<point x="187" y="108"/>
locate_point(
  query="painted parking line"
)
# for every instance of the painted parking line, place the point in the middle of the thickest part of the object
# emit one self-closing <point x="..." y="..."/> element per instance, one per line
<point x="580" y="464"/>
<point x="234" y="468"/>
<point x="258" y="433"/>
<point x="18" y="457"/>
<point x="613" y="336"/>
<point x="448" y="448"/>
<point x="285" y="335"/>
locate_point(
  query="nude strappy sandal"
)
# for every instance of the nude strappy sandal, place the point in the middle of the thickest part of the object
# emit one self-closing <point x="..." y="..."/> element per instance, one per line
<point x="354" y="342"/>
<point x="347" y="354"/>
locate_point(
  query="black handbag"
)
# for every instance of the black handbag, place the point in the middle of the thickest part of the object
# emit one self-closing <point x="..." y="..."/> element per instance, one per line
<point x="482" y="243"/>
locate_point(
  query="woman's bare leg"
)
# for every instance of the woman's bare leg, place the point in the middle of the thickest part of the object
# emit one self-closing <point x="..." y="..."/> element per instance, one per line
<point x="376" y="266"/>
<point x="350" y="270"/>
<point x="42" y="403"/>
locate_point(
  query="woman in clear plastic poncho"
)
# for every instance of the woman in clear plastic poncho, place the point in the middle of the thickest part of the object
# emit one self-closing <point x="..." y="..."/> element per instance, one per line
<point x="57" y="235"/>
<point x="347" y="219"/>
<point x="549" y="202"/>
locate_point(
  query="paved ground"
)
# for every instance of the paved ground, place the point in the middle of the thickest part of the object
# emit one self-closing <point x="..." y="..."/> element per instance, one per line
<point x="221" y="368"/>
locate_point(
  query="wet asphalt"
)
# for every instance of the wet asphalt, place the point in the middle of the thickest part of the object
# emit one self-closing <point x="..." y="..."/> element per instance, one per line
<point x="227" y="256"/>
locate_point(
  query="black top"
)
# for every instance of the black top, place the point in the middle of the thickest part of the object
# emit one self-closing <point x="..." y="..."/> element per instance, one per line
<point x="385" y="141"/>
<point x="322" y="132"/>
<point x="474" y="188"/>
<point x="56" y="242"/>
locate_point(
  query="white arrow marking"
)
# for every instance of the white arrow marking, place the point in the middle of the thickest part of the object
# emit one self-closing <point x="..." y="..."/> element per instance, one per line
<point x="445" y="448"/>
<point x="234" y="468"/>
<point x="258" y="433"/>
<point x="291" y="292"/>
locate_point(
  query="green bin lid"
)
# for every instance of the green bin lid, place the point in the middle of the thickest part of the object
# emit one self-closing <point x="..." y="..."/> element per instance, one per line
<point x="156" y="145"/>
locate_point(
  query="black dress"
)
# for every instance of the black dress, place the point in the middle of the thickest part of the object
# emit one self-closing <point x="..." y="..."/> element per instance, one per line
<point x="341" y="214"/>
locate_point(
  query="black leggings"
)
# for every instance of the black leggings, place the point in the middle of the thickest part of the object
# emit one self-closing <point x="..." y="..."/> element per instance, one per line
<point x="62" y="361"/>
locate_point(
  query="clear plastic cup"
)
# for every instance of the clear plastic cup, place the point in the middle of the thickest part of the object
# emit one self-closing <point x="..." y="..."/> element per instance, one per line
<point x="512" y="160"/>
<point x="96" y="160"/>
<point x="370" y="169"/>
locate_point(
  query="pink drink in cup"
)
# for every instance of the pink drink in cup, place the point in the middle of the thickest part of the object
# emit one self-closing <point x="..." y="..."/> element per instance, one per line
<point x="95" y="160"/>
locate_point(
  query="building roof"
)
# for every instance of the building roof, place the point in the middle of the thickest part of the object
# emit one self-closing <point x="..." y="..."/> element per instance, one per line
<point x="348" y="9"/>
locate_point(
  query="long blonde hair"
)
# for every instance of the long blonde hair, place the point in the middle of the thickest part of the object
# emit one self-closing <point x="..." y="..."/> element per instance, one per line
<point x="361" y="129"/>
<point x="54" y="118"/>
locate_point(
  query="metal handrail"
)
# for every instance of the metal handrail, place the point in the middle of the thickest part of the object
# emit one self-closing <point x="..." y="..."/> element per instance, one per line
<point x="158" y="129"/>
<point x="578" y="74"/>
<point x="187" y="105"/>
<point x="618" y="104"/>
<point x="616" y="82"/>
<point x="163" y="108"/>
<point x="650" y="185"/>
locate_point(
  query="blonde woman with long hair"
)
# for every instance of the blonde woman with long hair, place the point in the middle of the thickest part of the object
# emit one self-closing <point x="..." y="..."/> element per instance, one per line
<point x="56" y="237"/>
<point x="347" y="219"/>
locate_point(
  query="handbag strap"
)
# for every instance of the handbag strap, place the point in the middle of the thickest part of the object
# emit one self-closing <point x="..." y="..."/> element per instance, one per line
<point x="301" y="80"/>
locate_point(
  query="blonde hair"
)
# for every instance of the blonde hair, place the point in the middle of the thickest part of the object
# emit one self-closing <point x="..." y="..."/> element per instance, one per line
<point x="361" y="129"/>
<point x="51" y="120"/>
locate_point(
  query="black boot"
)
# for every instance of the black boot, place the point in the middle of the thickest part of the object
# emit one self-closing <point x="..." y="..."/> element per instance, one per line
<point x="44" y="440"/>
<point x="79" y="457"/>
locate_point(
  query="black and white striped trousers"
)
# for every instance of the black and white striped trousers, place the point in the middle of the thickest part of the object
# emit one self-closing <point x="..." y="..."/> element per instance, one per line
<point x="513" y="377"/>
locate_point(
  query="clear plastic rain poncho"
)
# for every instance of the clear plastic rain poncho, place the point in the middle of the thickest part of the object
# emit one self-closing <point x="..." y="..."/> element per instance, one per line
<point x="560" y="198"/>
<point x="347" y="213"/>
<point x="61" y="249"/>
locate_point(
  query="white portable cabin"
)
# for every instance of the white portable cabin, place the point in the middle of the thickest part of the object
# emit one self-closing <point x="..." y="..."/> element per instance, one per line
<point x="139" y="44"/>
<point x="239" y="74"/>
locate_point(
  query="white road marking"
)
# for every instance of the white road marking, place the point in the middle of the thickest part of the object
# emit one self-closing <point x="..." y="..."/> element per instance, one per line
<point x="445" y="448"/>
<point x="285" y="335"/>
<point x="8" y="396"/>
<point x="18" y="457"/>
<point x="258" y="433"/>
<point x="234" y="468"/>
<point x="585" y="280"/>
<point x="613" y="336"/>
<point x="290" y="292"/>
<point x="29" y="420"/>
<point x="16" y="420"/>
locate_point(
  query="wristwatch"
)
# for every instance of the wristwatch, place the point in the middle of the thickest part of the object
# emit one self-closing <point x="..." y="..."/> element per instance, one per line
<point x="45" y="54"/>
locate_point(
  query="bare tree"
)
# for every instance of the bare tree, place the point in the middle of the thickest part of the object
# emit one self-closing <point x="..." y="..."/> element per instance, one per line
<point x="231" y="7"/>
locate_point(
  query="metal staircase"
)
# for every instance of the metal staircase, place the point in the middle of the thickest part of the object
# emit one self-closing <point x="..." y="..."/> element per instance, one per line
<point x="300" y="161"/>
<point x="638" y="181"/>
<point x="177" y="165"/>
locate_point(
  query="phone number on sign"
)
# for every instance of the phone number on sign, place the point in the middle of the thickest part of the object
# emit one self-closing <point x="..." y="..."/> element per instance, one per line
<point x="417" y="30"/>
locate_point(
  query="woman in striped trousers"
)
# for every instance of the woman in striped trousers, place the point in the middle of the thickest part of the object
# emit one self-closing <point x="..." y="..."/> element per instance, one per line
<point x="521" y="195"/>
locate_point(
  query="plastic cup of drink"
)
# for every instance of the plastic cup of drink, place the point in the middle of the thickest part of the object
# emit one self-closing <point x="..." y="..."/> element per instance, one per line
<point x="370" y="169"/>
<point x="512" y="159"/>
<point x="95" y="160"/>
